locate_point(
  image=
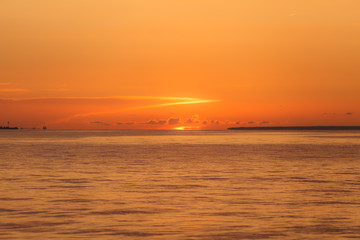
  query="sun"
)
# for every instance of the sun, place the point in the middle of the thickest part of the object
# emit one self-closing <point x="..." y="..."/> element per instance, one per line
<point x="187" y="128"/>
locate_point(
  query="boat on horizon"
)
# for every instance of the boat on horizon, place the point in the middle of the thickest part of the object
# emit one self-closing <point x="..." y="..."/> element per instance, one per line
<point x="8" y="128"/>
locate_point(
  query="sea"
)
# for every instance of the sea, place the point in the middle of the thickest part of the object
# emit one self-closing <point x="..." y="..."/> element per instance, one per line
<point x="158" y="184"/>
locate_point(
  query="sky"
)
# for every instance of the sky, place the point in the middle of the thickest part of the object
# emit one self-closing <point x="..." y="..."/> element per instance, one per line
<point x="180" y="64"/>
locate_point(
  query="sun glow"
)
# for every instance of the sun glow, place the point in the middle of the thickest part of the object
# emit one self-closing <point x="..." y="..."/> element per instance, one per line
<point x="186" y="128"/>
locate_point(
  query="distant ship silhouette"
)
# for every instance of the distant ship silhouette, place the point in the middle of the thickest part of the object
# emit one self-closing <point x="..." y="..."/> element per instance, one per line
<point x="8" y="127"/>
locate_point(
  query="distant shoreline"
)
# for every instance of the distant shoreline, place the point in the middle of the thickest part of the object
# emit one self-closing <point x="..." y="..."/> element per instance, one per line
<point x="306" y="128"/>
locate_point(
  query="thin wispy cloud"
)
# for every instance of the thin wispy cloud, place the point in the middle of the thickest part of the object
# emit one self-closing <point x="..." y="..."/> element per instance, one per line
<point x="13" y="90"/>
<point x="178" y="101"/>
<point x="117" y="108"/>
<point x="56" y="90"/>
<point x="100" y="123"/>
<point x="126" y="123"/>
<point x="183" y="100"/>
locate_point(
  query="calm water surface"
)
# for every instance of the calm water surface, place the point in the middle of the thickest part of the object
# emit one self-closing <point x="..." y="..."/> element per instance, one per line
<point x="179" y="185"/>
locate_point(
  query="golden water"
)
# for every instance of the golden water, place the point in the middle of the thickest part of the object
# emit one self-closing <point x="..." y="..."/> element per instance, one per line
<point x="179" y="185"/>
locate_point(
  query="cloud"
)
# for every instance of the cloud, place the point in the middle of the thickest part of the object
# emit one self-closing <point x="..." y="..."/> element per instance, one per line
<point x="13" y="90"/>
<point x="189" y="121"/>
<point x="214" y="122"/>
<point x="168" y="102"/>
<point x="100" y="123"/>
<point x="238" y="122"/>
<point x="57" y="90"/>
<point x="125" y="123"/>
<point x="328" y="114"/>
<point x="193" y="119"/>
<point x="205" y="122"/>
<point x="349" y="113"/>
<point x="264" y="122"/>
<point x="173" y="121"/>
<point x="196" y="116"/>
<point x="179" y="101"/>
<point x="154" y="122"/>
<point x="251" y="122"/>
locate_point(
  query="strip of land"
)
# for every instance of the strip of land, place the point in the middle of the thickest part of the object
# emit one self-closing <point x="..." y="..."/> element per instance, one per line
<point x="305" y="128"/>
<point x="11" y="128"/>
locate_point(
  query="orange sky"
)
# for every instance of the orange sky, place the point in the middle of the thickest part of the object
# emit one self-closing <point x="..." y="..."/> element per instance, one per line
<point x="204" y="64"/>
